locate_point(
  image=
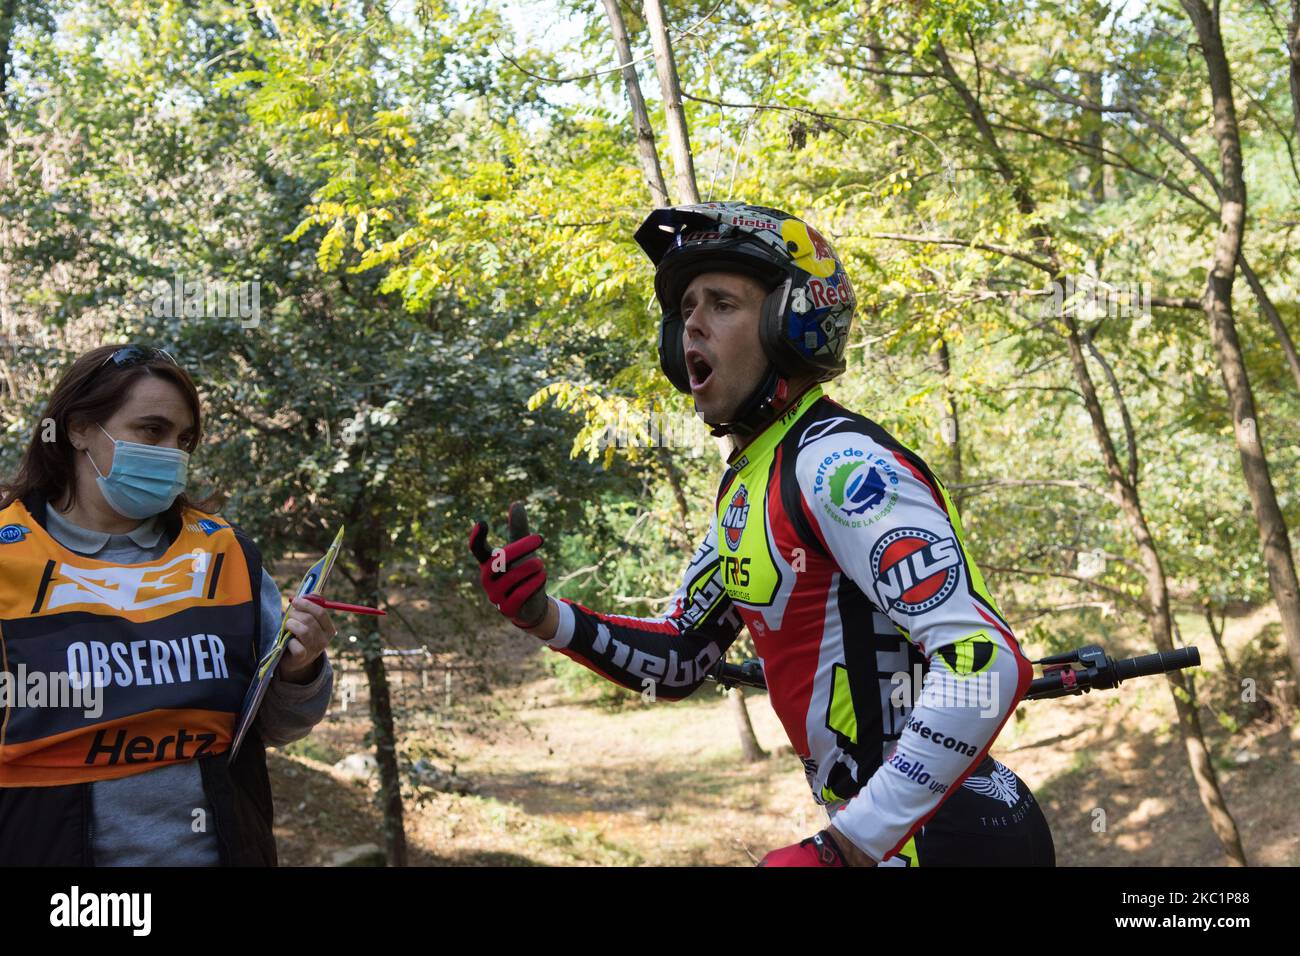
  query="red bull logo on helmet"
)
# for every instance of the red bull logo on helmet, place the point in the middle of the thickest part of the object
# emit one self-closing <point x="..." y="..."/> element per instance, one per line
<point x="812" y="255"/>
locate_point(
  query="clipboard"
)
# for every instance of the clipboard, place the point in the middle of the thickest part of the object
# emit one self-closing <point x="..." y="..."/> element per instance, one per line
<point x="313" y="582"/>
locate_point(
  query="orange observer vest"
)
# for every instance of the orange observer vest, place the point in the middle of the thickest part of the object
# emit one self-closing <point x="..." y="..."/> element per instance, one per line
<point x="108" y="670"/>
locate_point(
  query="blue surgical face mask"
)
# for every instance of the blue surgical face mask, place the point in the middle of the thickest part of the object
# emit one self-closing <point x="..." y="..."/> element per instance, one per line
<point x="144" y="479"/>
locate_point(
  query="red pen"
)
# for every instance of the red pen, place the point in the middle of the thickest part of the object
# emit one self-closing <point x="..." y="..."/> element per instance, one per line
<point x="340" y="606"/>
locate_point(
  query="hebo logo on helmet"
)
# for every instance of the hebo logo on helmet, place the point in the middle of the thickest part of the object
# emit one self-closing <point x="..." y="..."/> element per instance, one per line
<point x="753" y="223"/>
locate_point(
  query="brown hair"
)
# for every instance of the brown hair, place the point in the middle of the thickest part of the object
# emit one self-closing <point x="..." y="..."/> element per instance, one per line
<point x="91" y="391"/>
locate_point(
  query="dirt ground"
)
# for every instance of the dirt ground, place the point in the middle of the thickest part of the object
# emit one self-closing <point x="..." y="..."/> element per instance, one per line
<point x="563" y="781"/>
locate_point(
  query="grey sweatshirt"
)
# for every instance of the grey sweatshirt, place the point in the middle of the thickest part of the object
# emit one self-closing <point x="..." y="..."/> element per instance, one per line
<point x="150" y="818"/>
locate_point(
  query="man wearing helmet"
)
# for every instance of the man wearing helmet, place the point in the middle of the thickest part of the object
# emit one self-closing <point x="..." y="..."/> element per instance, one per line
<point x="887" y="660"/>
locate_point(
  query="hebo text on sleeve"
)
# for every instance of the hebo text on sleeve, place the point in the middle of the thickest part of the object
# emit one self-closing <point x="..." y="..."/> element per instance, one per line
<point x="669" y="654"/>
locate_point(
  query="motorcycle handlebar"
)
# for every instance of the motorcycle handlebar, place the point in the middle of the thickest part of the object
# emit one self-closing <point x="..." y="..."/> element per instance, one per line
<point x="1157" y="663"/>
<point x="1059" y="678"/>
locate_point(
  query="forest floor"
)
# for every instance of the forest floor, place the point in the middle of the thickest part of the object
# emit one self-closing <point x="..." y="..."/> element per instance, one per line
<point x="559" y="780"/>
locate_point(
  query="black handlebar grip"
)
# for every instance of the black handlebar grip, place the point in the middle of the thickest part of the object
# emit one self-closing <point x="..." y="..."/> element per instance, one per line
<point x="748" y="674"/>
<point x="1158" y="663"/>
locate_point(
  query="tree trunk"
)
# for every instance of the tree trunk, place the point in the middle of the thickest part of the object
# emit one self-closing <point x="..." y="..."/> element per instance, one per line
<point x="684" y="167"/>
<point x="1158" y="614"/>
<point x="1274" y="539"/>
<point x="1216" y="634"/>
<point x="749" y="745"/>
<point x="683" y="509"/>
<point x="678" y="138"/>
<point x="1159" y="617"/>
<point x="645" y="135"/>
<point x="951" y="424"/>
<point x="1294" y="49"/>
<point x="876" y="61"/>
<point x="1130" y="433"/>
<point x="8" y="20"/>
<point x="381" y="708"/>
<point x="1094" y="126"/>
<point x="1274" y="319"/>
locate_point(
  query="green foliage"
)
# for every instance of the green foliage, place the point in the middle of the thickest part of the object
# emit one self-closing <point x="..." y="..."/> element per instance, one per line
<point x="1248" y="694"/>
<point x="454" y="314"/>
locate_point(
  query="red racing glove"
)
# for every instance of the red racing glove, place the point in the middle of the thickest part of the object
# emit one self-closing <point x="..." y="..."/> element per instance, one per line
<point x="818" y="850"/>
<point x="514" y="582"/>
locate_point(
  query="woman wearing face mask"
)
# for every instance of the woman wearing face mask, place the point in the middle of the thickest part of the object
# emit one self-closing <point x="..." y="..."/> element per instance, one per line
<point x="131" y="621"/>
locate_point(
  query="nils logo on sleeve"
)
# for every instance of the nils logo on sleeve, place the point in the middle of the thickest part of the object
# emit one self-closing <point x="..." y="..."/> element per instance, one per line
<point x="855" y="489"/>
<point x="914" y="569"/>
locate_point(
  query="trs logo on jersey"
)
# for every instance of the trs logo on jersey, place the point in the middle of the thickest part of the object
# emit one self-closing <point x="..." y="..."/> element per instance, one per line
<point x="915" y="570"/>
<point x="733" y="519"/>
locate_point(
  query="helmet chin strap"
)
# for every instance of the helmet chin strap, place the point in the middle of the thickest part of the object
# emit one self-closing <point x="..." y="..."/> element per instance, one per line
<point x="759" y="408"/>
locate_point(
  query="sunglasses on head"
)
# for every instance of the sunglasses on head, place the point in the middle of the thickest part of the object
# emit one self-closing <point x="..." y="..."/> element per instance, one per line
<point x="130" y="355"/>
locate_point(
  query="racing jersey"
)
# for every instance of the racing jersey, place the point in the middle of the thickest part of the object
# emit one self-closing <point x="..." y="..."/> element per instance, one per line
<point x="887" y="660"/>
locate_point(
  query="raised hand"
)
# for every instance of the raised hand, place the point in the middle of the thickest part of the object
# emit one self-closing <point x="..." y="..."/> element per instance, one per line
<point x="515" y="581"/>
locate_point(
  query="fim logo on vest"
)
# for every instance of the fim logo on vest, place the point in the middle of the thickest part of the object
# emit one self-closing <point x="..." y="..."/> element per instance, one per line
<point x="12" y="533"/>
<point x="915" y="570"/>
<point x="207" y="526"/>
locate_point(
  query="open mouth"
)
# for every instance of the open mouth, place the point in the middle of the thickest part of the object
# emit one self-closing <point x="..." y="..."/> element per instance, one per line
<point x="698" y="369"/>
